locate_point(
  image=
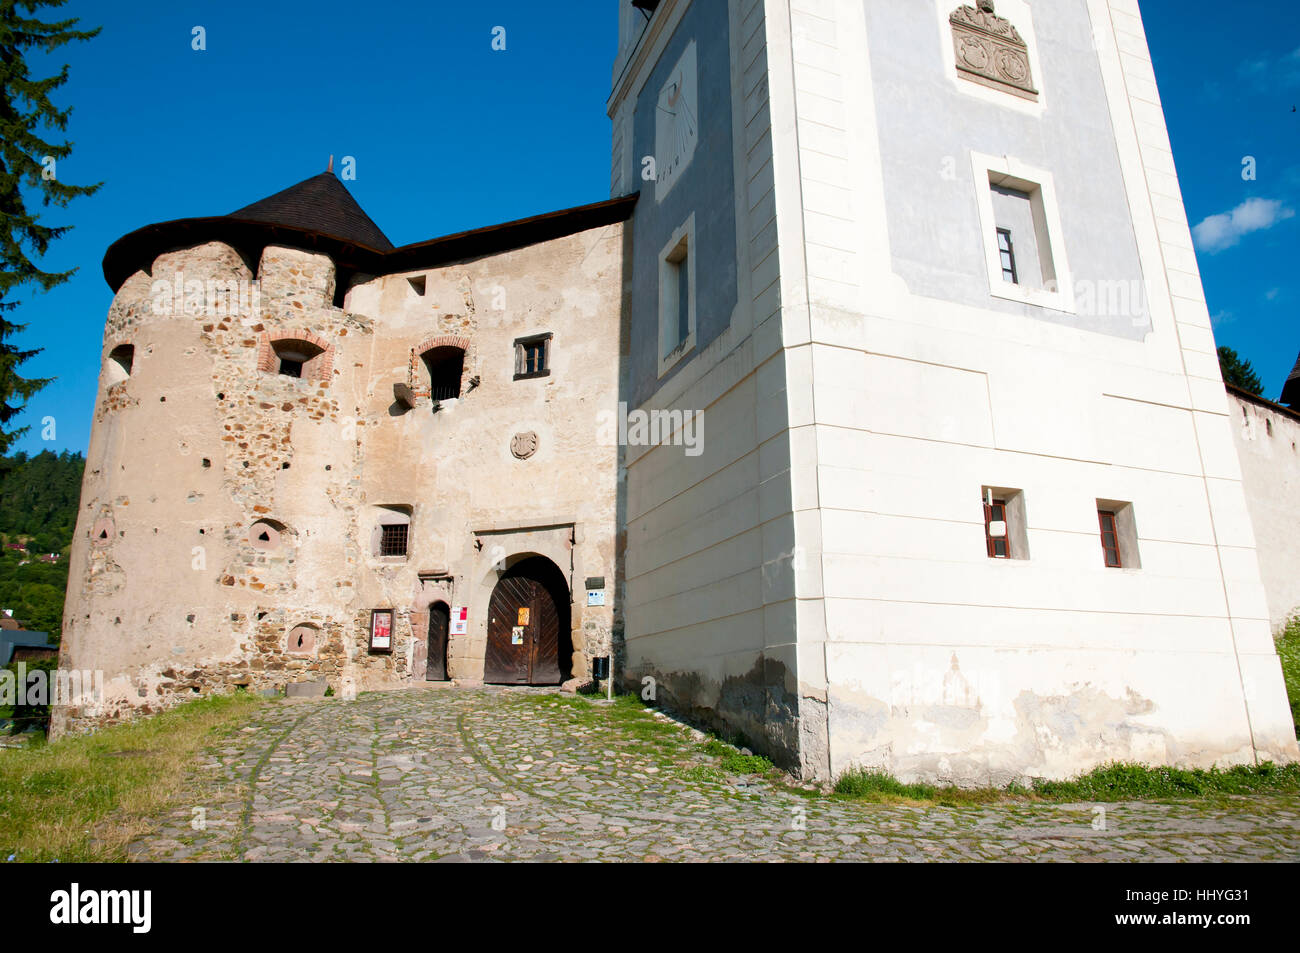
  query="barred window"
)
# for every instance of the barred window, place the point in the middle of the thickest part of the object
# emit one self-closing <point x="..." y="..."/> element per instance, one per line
<point x="393" y="540"/>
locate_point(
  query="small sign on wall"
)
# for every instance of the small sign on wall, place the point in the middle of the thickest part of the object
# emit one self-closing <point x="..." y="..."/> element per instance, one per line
<point x="595" y="597"/>
<point x="381" y="630"/>
<point x="517" y="635"/>
<point x="460" y="620"/>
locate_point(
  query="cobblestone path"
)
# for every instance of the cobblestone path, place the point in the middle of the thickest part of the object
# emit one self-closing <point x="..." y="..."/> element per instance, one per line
<point x="493" y="774"/>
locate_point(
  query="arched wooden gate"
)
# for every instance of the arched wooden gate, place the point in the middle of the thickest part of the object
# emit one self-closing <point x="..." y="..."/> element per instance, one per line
<point x="528" y="640"/>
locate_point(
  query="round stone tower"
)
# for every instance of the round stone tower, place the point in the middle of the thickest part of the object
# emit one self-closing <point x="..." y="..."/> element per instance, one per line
<point x="226" y="434"/>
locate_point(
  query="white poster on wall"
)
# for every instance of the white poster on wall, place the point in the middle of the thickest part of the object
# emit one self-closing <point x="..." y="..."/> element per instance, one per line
<point x="459" y="620"/>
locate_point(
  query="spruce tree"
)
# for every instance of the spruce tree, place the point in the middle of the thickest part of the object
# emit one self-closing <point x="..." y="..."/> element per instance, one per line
<point x="1238" y="372"/>
<point x="27" y="115"/>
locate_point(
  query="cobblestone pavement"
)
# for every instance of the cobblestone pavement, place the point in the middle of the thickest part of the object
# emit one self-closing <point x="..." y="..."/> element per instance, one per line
<point x="517" y="774"/>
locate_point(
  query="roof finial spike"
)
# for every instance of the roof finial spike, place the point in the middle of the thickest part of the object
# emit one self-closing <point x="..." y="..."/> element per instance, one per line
<point x="330" y="167"/>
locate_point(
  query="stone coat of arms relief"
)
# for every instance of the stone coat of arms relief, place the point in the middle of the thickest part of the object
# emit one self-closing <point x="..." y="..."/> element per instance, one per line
<point x="990" y="51"/>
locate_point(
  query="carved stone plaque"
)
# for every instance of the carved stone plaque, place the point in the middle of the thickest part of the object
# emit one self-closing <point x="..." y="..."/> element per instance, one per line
<point x="990" y="51"/>
<point x="524" y="445"/>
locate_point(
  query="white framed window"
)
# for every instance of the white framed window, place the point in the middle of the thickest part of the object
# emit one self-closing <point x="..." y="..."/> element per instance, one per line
<point x="677" y="297"/>
<point x="1020" y="225"/>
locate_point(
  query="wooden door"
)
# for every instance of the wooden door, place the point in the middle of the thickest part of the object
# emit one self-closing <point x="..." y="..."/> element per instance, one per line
<point x="523" y="632"/>
<point x="439" y="623"/>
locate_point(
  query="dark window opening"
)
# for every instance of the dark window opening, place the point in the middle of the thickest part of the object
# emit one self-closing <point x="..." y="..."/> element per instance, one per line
<point x="446" y="366"/>
<point x="121" y="360"/>
<point x="533" y="356"/>
<point x="1109" y="539"/>
<point x="294" y="357"/>
<point x="392" y="541"/>
<point x="1007" y="254"/>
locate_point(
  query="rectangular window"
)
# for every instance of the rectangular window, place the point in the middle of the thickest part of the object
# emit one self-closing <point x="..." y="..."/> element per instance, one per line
<point x="995" y="521"/>
<point x="1109" y="539"/>
<point x="1119" y="541"/>
<point x="677" y="294"/>
<point x="533" y="356"/>
<point x="1008" y="256"/>
<point x="1005" y="528"/>
<point x="677" y="298"/>
<point x="1021" y="233"/>
<point x="393" y="540"/>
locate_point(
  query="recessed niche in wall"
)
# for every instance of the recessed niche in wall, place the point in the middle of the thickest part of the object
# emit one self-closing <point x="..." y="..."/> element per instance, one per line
<point x="120" y="362"/>
<point x="266" y="534"/>
<point x="102" y="533"/>
<point x="302" y="640"/>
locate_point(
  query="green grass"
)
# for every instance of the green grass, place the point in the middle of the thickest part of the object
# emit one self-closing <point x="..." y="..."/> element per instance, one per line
<point x="1119" y="782"/>
<point x="1288" y="650"/>
<point x="86" y="797"/>
<point x="1110" y="782"/>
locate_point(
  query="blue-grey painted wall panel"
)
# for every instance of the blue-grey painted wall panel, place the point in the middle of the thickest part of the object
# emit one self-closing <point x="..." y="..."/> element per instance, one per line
<point x="707" y="187"/>
<point x="927" y="127"/>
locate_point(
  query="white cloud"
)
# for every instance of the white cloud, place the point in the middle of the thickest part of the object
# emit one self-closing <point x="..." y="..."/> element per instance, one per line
<point x="1226" y="229"/>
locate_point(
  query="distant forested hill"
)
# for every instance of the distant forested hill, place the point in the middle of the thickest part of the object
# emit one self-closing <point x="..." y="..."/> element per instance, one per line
<point x="38" y="511"/>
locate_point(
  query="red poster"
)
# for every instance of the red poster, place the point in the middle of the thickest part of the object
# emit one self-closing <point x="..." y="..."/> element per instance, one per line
<point x="381" y="630"/>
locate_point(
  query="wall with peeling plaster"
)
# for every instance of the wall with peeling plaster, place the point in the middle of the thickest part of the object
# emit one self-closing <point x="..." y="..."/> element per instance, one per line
<point x="198" y="444"/>
<point x="1268" y="444"/>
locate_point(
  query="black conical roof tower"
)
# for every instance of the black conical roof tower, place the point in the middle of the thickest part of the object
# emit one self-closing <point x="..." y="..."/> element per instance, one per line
<point x="321" y="204"/>
<point x="1291" y="389"/>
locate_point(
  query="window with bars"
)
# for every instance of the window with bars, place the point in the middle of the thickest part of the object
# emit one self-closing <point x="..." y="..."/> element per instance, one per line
<point x="393" y="539"/>
<point x="1007" y="254"/>
<point x="446" y="367"/>
<point x="1110" y="539"/>
<point x="533" y="356"/>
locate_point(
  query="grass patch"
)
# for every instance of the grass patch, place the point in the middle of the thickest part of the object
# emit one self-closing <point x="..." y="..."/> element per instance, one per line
<point x="1110" y="782"/>
<point x="1288" y="650"/>
<point x="83" y="798"/>
<point x="635" y="719"/>
<point x="1122" y="782"/>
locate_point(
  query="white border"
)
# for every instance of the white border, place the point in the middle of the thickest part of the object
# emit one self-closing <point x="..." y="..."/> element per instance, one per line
<point x="982" y="165"/>
<point x="685" y="230"/>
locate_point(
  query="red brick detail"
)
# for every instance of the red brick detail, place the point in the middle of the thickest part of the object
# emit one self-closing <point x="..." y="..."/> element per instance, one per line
<point x="320" y="368"/>
<point x="441" y="340"/>
<point x="265" y="354"/>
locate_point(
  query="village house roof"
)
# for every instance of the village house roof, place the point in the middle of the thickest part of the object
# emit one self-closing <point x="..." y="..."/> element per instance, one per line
<point x="15" y="638"/>
<point x="320" y="215"/>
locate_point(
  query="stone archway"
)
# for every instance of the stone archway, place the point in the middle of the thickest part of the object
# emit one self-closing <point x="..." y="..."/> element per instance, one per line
<point x="528" y="626"/>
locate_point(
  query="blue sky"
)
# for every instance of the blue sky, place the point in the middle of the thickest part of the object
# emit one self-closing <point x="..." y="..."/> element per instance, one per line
<point x="449" y="134"/>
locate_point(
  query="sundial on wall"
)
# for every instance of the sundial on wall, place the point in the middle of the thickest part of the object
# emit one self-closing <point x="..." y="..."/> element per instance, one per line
<point x="677" y="123"/>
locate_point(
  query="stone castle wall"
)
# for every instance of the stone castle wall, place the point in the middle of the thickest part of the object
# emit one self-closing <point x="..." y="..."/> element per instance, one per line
<point x="204" y="448"/>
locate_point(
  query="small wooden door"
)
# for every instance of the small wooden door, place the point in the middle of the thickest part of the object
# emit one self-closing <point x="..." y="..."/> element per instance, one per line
<point x="439" y="622"/>
<point x="523" y="645"/>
